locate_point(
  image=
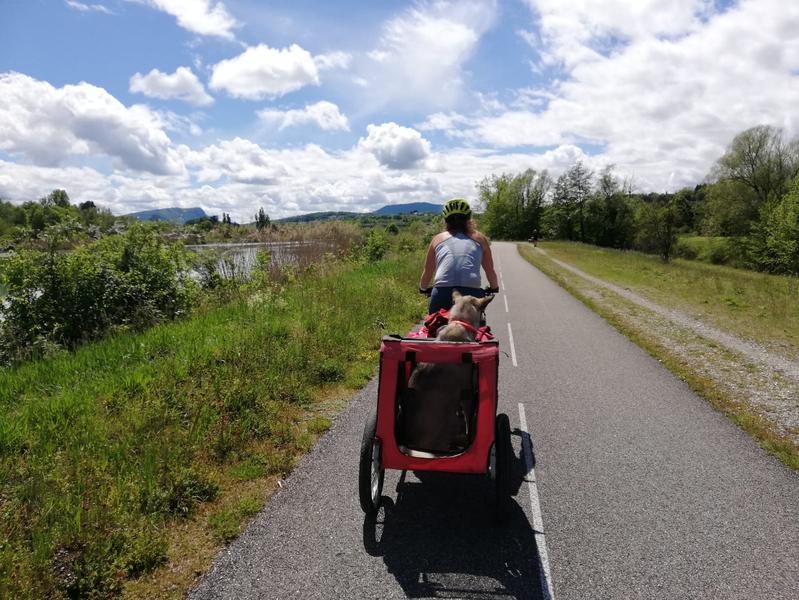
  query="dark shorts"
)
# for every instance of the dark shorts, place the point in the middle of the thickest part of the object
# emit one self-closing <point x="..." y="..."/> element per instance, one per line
<point x="442" y="297"/>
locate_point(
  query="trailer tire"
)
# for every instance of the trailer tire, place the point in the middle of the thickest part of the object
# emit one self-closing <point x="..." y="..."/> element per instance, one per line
<point x="504" y="466"/>
<point x="370" y="469"/>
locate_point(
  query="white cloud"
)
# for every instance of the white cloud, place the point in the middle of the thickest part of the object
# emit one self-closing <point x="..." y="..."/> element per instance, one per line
<point x="49" y="125"/>
<point x="448" y="122"/>
<point x="238" y="160"/>
<point x="237" y="176"/>
<point x="395" y="146"/>
<point x="671" y="95"/>
<point x="583" y="30"/>
<point x="420" y="58"/>
<point x="82" y="7"/>
<point x="205" y="17"/>
<point x="182" y="85"/>
<point x="323" y="114"/>
<point x="332" y="60"/>
<point x="262" y="72"/>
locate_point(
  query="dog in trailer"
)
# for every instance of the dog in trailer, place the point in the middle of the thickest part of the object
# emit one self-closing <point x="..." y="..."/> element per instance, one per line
<point x="439" y="408"/>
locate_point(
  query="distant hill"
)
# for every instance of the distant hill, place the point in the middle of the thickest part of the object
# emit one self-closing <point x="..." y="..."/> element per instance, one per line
<point x="329" y="215"/>
<point x="178" y="216"/>
<point x="389" y="209"/>
<point x="411" y="207"/>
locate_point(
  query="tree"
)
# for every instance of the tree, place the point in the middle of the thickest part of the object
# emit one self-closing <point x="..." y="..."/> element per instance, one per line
<point x="655" y="227"/>
<point x="261" y="219"/>
<point x="56" y="198"/>
<point x="761" y="160"/>
<point x="567" y="216"/>
<point x="774" y="243"/>
<point x="730" y="208"/>
<point x="579" y="180"/>
<point x="513" y="203"/>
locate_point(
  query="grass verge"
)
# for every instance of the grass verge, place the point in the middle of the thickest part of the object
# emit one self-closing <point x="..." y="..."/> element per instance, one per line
<point x="723" y="378"/>
<point x="752" y="305"/>
<point x="125" y="466"/>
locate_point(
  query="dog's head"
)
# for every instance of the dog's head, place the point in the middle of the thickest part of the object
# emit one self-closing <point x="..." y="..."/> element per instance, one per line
<point x="468" y="308"/>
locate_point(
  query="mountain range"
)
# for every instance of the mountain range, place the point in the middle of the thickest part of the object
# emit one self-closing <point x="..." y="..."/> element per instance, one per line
<point x="180" y="216"/>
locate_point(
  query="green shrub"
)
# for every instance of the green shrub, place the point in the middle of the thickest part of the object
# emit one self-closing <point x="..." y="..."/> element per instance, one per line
<point x="376" y="246"/>
<point x="127" y="281"/>
<point x="685" y="250"/>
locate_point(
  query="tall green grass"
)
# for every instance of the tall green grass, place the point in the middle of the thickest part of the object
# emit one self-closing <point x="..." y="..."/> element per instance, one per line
<point x="757" y="306"/>
<point x="102" y="449"/>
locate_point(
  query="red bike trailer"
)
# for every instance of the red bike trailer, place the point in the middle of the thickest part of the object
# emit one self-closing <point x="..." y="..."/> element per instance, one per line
<point x="489" y="449"/>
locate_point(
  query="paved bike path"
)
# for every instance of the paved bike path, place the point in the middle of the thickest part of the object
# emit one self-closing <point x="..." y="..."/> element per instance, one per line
<point x="645" y="491"/>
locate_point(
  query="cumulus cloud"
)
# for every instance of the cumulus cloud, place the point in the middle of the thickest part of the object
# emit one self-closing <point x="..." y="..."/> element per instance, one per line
<point x="262" y="72"/>
<point x="48" y="125"/>
<point x="420" y="57"/>
<point x="238" y="160"/>
<point x="324" y="115"/>
<point x="582" y="30"/>
<point x="671" y="94"/>
<point x="182" y="85"/>
<point x="237" y="175"/>
<point x="204" y="17"/>
<point x="395" y="146"/>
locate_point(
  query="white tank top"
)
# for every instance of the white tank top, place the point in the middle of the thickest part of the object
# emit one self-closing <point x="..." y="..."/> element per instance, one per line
<point x="458" y="260"/>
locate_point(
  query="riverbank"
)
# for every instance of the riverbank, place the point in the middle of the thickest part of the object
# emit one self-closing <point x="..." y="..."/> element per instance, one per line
<point x="125" y="466"/>
<point x="695" y="319"/>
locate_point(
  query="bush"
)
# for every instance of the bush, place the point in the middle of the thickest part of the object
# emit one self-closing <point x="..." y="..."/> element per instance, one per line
<point x="61" y="299"/>
<point x="376" y="246"/>
<point x="685" y="250"/>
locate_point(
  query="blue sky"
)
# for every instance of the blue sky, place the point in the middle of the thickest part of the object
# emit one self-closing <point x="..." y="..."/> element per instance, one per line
<point x="306" y="105"/>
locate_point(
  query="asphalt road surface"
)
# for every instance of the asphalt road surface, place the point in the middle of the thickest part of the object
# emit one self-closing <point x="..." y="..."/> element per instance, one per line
<point x="639" y="488"/>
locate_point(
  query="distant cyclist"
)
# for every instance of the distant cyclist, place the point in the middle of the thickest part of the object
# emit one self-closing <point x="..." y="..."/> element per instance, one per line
<point x="455" y="256"/>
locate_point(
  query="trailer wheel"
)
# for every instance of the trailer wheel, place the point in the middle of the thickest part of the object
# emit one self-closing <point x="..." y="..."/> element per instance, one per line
<point x="504" y="465"/>
<point x="370" y="469"/>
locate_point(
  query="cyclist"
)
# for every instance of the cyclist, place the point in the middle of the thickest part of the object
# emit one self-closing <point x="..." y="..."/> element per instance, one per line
<point x="455" y="256"/>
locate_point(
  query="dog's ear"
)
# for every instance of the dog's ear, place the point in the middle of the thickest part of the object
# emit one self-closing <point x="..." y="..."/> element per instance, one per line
<point x="456" y="295"/>
<point x="481" y="303"/>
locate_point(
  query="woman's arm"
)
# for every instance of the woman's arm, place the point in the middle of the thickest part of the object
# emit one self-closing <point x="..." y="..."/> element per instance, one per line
<point x="429" y="265"/>
<point x="488" y="261"/>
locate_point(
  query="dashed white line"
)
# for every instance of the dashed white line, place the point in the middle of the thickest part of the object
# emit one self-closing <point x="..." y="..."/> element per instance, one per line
<point x="512" y="347"/>
<point x="545" y="576"/>
<point x="502" y="282"/>
<point x="505" y="298"/>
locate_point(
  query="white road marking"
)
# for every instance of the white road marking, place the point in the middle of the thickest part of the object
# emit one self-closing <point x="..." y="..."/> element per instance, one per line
<point x="512" y="347"/>
<point x="547" y="590"/>
<point x="502" y="282"/>
<point x="505" y="298"/>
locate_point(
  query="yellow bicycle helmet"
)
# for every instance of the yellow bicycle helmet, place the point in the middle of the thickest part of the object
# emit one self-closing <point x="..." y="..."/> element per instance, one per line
<point x="456" y="206"/>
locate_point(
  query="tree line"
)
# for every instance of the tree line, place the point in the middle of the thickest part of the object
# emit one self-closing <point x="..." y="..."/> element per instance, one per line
<point x="750" y="198"/>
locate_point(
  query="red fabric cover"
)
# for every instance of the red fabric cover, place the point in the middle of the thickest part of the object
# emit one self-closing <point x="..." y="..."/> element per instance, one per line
<point x="393" y="352"/>
<point x="435" y="321"/>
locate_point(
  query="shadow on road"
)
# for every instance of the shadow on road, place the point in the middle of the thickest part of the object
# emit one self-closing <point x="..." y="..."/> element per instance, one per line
<point x="440" y="539"/>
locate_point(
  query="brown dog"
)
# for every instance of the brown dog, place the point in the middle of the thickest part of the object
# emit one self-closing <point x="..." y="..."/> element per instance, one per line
<point x="439" y="409"/>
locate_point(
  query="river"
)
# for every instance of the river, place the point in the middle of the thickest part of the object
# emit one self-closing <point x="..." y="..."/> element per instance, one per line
<point x="237" y="260"/>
